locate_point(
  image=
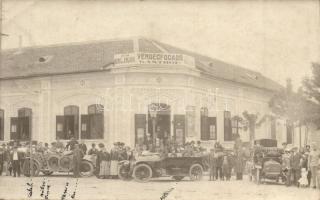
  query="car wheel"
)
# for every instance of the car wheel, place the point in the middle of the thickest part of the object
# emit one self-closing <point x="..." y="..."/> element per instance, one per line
<point x="178" y="178"/>
<point x="30" y="168"/>
<point x="142" y="173"/>
<point x="195" y="172"/>
<point x="86" y="168"/>
<point x="124" y="172"/>
<point x="47" y="173"/>
<point x="53" y="162"/>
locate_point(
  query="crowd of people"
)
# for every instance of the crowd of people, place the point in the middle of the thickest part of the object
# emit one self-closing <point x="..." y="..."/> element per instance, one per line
<point x="301" y="166"/>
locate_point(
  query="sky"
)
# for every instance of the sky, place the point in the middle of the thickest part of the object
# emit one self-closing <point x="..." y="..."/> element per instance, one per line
<point x="279" y="39"/>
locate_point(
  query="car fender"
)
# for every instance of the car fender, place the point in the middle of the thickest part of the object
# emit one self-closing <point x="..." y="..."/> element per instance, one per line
<point x="90" y="158"/>
<point x="34" y="160"/>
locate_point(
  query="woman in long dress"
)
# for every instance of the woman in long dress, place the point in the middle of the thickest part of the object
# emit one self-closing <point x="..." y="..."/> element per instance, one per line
<point x="104" y="162"/>
<point x="114" y="161"/>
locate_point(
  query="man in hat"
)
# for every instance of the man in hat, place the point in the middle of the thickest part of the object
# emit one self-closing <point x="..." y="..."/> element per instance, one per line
<point x="313" y="162"/>
<point x="306" y="154"/>
<point x="83" y="147"/>
<point x="295" y="165"/>
<point x="286" y="165"/>
<point x="6" y="159"/>
<point x="122" y="152"/>
<point x="77" y="157"/>
<point x="212" y="164"/>
<point x="93" y="150"/>
<point x="219" y="158"/>
<point x="71" y="144"/>
<point x="15" y="160"/>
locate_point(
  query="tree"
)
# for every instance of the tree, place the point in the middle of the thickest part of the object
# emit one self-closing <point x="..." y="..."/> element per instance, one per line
<point x="301" y="107"/>
<point x="311" y="89"/>
<point x="285" y="104"/>
<point x="251" y="124"/>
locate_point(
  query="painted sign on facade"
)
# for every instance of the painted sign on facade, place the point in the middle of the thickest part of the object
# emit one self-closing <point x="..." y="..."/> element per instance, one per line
<point x="139" y="58"/>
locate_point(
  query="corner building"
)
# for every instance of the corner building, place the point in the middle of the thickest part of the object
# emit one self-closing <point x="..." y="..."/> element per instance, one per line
<point x="122" y="90"/>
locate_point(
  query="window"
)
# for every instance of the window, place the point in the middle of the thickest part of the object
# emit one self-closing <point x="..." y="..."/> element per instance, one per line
<point x="21" y="126"/>
<point x="190" y="121"/>
<point x="1" y="124"/>
<point x="227" y="126"/>
<point x="71" y="122"/>
<point x="67" y="126"/>
<point x="204" y="128"/>
<point x="212" y="128"/>
<point x="92" y="125"/>
<point x="236" y="126"/>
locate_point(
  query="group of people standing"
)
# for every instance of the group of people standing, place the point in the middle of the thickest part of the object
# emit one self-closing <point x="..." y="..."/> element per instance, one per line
<point x="107" y="162"/>
<point x="221" y="162"/>
<point x="10" y="160"/>
<point x="302" y="167"/>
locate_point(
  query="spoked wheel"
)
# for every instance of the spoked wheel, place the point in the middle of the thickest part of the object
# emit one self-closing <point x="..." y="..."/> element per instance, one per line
<point x="86" y="168"/>
<point x="142" y="173"/>
<point x="178" y="178"/>
<point x="47" y="173"/>
<point x="195" y="172"/>
<point x="124" y="172"/>
<point x="30" y="168"/>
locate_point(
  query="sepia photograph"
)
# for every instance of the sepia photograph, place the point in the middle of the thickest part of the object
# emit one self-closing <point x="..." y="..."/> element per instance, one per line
<point x="160" y="100"/>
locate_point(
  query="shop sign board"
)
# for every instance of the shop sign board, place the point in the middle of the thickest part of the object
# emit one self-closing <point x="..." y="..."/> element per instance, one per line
<point x="140" y="58"/>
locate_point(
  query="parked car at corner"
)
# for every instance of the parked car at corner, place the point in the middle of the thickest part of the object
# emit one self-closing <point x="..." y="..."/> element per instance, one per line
<point x="152" y="166"/>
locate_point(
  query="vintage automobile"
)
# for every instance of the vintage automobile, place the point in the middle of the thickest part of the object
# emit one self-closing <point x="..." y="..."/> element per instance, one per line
<point x="56" y="162"/>
<point x="267" y="161"/>
<point x="151" y="166"/>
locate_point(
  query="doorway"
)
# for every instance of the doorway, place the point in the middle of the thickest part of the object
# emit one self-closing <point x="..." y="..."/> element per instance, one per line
<point x="159" y="122"/>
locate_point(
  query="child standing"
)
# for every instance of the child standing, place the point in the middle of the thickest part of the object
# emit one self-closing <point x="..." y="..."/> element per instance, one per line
<point x="303" y="181"/>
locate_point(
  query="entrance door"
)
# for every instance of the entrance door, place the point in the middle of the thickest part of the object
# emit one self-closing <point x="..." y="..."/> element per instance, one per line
<point x="70" y="129"/>
<point x="179" y="129"/>
<point x="24" y="128"/>
<point x="140" y="128"/>
<point x="159" y="122"/>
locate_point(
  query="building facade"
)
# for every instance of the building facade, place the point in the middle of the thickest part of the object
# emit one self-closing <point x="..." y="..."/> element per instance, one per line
<point x="125" y="90"/>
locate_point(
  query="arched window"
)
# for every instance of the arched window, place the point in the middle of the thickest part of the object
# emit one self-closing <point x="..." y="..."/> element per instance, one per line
<point x="1" y="124"/>
<point x="21" y="126"/>
<point x="70" y="127"/>
<point x="92" y="125"/>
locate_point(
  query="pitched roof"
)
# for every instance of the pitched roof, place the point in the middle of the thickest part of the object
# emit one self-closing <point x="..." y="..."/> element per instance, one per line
<point x="94" y="56"/>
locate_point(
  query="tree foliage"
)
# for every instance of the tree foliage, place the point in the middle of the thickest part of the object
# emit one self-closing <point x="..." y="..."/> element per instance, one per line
<point x="311" y="89"/>
<point x="302" y="106"/>
<point x="251" y="120"/>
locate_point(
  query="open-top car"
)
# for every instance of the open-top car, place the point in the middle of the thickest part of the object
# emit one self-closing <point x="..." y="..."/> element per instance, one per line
<point x="56" y="162"/>
<point x="267" y="161"/>
<point x="151" y="166"/>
